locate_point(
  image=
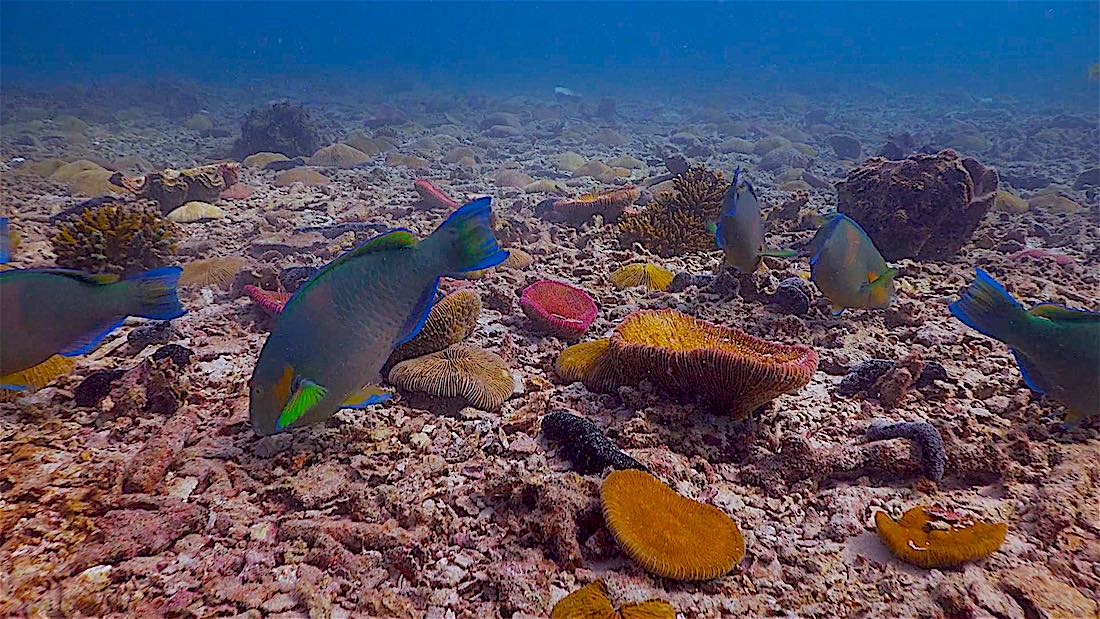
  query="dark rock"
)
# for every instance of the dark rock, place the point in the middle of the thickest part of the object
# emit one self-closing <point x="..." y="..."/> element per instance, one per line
<point x="785" y="157"/>
<point x="179" y="355"/>
<point x="1026" y="181"/>
<point x="281" y="128"/>
<point x="91" y="391"/>
<point x="726" y="285"/>
<point x="584" y="445"/>
<point x="677" y="164"/>
<point x="924" y="207"/>
<point x="845" y="146"/>
<point x="899" y="146"/>
<point x="863" y="376"/>
<point x="285" y="164"/>
<point x="792" y="296"/>
<point x="1088" y="178"/>
<point x="160" y="332"/>
<point x="293" y="277"/>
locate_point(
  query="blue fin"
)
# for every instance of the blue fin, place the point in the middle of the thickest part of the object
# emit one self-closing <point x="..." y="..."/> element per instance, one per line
<point x="8" y="387"/>
<point x="1032" y="377"/>
<point x="157" y="291"/>
<point x="305" y="397"/>
<point x="367" y="396"/>
<point x="415" y="322"/>
<point x="473" y="245"/>
<point x="837" y="310"/>
<point x="89" y="342"/>
<point x="5" y="241"/>
<point x="821" y="237"/>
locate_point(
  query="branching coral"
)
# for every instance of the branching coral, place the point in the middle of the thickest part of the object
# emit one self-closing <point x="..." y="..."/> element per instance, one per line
<point x="924" y="434"/>
<point x="116" y="237"/>
<point x="478" y="376"/>
<point x="558" y="308"/>
<point x="583" y="444"/>
<point x="642" y="274"/>
<point x="676" y="223"/>
<point x="937" y="539"/>
<point x="591" y="602"/>
<point x="449" y="322"/>
<point x="668" y="534"/>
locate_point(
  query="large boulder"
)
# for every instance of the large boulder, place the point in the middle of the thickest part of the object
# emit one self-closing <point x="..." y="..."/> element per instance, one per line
<point x="925" y="206"/>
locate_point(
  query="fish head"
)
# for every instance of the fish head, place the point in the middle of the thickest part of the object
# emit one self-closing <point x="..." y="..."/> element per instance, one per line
<point x="269" y="391"/>
<point x="880" y="289"/>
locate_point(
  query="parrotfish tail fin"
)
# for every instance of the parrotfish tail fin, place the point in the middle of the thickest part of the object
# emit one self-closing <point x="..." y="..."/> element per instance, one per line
<point x="5" y="241"/>
<point x="986" y="307"/>
<point x="365" y="397"/>
<point x="157" y="296"/>
<point x="471" y="245"/>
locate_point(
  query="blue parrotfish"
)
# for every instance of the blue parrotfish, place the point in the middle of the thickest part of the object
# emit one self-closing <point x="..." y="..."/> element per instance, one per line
<point x="1056" y="348"/>
<point x="740" y="228"/>
<point x="5" y="241"/>
<point x="328" y="346"/>
<point x="47" y="312"/>
<point x="847" y="267"/>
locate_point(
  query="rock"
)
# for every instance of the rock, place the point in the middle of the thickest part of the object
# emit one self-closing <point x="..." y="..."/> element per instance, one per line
<point x="458" y="153"/>
<point x="1043" y="596"/>
<point x="737" y="145"/>
<point x="1008" y="202"/>
<point x="784" y="157"/>
<point x="159" y="332"/>
<point x="306" y="176"/>
<point x="845" y="146"/>
<point x="260" y="160"/>
<point x="792" y="296"/>
<point x="179" y="355"/>
<point x="569" y="161"/>
<point x="924" y="207"/>
<point x="512" y="178"/>
<point x="148" y="467"/>
<point x="280" y="128"/>
<point x="1053" y="202"/>
<point x="96" y="386"/>
<point x="795" y="186"/>
<point x="771" y="143"/>
<point x="1088" y="178"/>
<point x="626" y="161"/>
<point x="1026" y="181"/>
<point x="195" y="211"/>
<point x="504" y="131"/>
<point x="293" y="277"/>
<point x="408" y="161"/>
<point x="338" y="156"/>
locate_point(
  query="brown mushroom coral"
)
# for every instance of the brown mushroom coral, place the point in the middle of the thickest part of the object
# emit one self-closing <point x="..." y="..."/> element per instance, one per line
<point x="478" y="376"/>
<point x="938" y="538"/>
<point x="608" y="204"/>
<point x="591" y="602"/>
<point x="449" y="322"/>
<point x="668" y="534"/>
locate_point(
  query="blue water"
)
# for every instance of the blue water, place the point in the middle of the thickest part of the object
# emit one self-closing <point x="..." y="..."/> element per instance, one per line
<point x="1028" y="49"/>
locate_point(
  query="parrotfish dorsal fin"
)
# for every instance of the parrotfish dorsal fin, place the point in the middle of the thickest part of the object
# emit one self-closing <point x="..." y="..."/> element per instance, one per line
<point x="305" y="397"/>
<point x="90" y="278"/>
<point x="1053" y="311"/>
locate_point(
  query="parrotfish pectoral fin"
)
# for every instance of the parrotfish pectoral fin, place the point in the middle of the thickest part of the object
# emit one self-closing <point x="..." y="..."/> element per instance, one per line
<point x="157" y="294"/>
<point x="1033" y="378"/>
<point x="415" y="321"/>
<point x="305" y="397"/>
<point x="89" y="342"/>
<point x="8" y="386"/>
<point x="473" y="246"/>
<point x="371" y="394"/>
<point x="779" y="253"/>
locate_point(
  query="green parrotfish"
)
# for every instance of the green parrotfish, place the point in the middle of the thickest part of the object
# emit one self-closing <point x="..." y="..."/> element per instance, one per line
<point x="847" y="267"/>
<point x="47" y="312"/>
<point x="740" y="228"/>
<point x="328" y="346"/>
<point x="1057" y="348"/>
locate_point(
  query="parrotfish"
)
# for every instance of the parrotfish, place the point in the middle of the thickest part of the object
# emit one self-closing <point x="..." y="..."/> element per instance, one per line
<point x="5" y="241"/>
<point x="47" y="312"/>
<point x="740" y="229"/>
<point x="329" y="344"/>
<point x="847" y="267"/>
<point x="1056" y="348"/>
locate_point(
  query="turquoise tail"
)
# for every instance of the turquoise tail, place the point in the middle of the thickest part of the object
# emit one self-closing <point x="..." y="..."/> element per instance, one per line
<point x="986" y="307"/>
<point x="469" y="244"/>
<point x="157" y="297"/>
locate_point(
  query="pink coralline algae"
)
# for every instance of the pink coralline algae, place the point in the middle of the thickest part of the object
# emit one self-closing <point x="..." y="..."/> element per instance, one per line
<point x="558" y="308"/>
<point x="272" y="302"/>
<point x="1043" y="252"/>
<point x="431" y="197"/>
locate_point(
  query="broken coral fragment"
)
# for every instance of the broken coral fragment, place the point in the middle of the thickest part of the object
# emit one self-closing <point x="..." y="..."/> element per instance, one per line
<point x="668" y="534"/>
<point x="558" y="308"/>
<point x="938" y="539"/>
<point x="642" y="274"/>
<point x="480" y="377"/>
<point x="591" y="602"/>
<point x="609" y="205"/>
<point x="449" y="321"/>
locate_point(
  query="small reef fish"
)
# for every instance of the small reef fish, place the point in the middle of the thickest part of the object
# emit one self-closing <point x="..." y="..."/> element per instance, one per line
<point x="847" y="267"/>
<point x="5" y="240"/>
<point x="740" y="228"/>
<point x="327" y="349"/>
<point x="562" y="91"/>
<point x="1057" y="348"/>
<point x="1094" y="72"/>
<point x="49" y="312"/>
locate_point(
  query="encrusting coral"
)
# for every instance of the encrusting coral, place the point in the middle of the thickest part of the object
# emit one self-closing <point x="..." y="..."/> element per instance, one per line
<point x="939" y="538"/>
<point x="172" y="189"/>
<point x="592" y="602"/>
<point x="449" y="321"/>
<point x="642" y="274"/>
<point x="668" y="534"/>
<point x="480" y="377"/>
<point x="609" y="204"/>
<point x="558" y="308"/>
<point x="121" y="238"/>
<point x="583" y="444"/>
<point x="924" y="434"/>
<point x="725" y="367"/>
<point x="218" y="271"/>
<point x="676" y="223"/>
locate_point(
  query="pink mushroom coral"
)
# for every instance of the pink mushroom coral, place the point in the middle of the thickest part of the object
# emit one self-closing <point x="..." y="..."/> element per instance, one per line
<point x="271" y="302"/>
<point x="431" y="197"/>
<point x="558" y="308"/>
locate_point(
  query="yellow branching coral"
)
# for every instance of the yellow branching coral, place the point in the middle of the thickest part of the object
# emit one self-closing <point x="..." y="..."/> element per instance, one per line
<point x="676" y="223"/>
<point x="449" y="322"/>
<point x="668" y="534"/>
<point x="936" y="540"/>
<point x="591" y="602"/>
<point x="117" y="237"/>
<point x="219" y="271"/>
<point x="478" y="376"/>
<point x="590" y="363"/>
<point x="642" y="274"/>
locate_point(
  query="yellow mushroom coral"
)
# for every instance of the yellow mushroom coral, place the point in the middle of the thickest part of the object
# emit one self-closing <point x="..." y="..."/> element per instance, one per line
<point x="590" y="363"/>
<point x="478" y="376"/>
<point x="934" y="539"/>
<point x="449" y="321"/>
<point x="642" y="274"/>
<point x="591" y="602"/>
<point x="668" y="534"/>
<point x="218" y="271"/>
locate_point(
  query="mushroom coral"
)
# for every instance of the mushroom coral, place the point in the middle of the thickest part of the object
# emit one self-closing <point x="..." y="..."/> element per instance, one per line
<point x="668" y="534"/>
<point x="591" y="602"/>
<point x="725" y="367"/>
<point x="478" y="376"/>
<point x="937" y="539"/>
<point x="121" y="238"/>
<point x="449" y="321"/>
<point x="676" y="223"/>
<point x="642" y="274"/>
<point x="272" y="302"/>
<point x="609" y="204"/>
<point x="218" y="271"/>
<point x="558" y="308"/>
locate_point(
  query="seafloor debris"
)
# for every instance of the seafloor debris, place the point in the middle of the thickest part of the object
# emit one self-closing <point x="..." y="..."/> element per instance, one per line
<point x="152" y="386"/>
<point x="171" y="189"/>
<point x="609" y="205"/>
<point x="121" y="238"/>
<point x="149" y="465"/>
<point x="157" y="332"/>
<point x="642" y="274"/>
<point x="431" y="197"/>
<point x="218" y="271"/>
<point x="450" y="321"/>
<point x="477" y="376"/>
<point x="864" y="375"/>
<point x="591" y="602"/>
<point x="558" y="308"/>
<point x="933" y="538"/>
<point x="729" y="369"/>
<point x="583" y="444"/>
<point x="676" y="223"/>
<point x="924" y="207"/>
<point x="668" y="534"/>
<point x="922" y="433"/>
<point x="279" y="128"/>
<point x="791" y="296"/>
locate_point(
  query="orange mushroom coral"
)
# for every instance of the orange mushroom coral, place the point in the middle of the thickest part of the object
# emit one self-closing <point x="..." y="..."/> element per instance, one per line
<point x="934" y="539"/>
<point x="591" y="602"/>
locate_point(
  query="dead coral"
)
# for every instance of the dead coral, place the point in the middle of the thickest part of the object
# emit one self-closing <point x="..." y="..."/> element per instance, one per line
<point x="171" y="189"/>
<point x="676" y="223"/>
<point x="122" y="238"/>
<point x="938" y="538"/>
<point x="280" y="128"/>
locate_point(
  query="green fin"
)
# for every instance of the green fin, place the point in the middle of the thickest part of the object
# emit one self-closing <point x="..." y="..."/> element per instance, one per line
<point x="779" y="253"/>
<point x="305" y="397"/>
<point x="91" y="278"/>
<point x="371" y="394"/>
<point x="1053" y="311"/>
